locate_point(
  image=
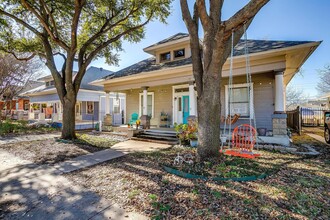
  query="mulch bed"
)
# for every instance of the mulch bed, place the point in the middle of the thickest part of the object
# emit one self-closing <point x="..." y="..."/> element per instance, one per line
<point x="299" y="190"/>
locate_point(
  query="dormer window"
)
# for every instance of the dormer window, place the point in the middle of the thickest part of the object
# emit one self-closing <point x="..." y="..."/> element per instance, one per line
<point x="179" y="54"/>
<point x="50" y="83"/>
<point x="165" y="56"/>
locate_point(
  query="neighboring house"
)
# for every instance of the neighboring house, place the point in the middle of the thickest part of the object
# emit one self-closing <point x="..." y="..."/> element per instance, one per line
<point x="167" y="83"/>
<point x="315" y="103"/>
<point x="326" y="96"/>
<point x="18" y="106"/>
<point x="91" y="106"/>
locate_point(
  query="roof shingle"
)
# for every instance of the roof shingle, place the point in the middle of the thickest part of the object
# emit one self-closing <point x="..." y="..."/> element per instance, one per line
<point x="149" y="65"/>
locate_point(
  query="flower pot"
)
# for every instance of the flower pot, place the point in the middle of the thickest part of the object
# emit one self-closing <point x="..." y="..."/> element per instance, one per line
<point x="184" y="142"/>
<point x="262" y="131"/>
<point x="193" y="143"/>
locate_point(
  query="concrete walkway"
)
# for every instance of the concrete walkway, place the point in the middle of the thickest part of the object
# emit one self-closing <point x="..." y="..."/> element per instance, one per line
<point x="117" y="150"/>
<point x="40" y="192"/>
<point x="317" y="137"/>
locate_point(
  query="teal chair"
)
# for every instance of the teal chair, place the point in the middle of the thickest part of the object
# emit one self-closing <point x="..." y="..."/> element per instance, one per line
<point x="134" y="117"/>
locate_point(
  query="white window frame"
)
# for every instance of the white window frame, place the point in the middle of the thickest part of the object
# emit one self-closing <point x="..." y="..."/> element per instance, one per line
<point x="250" y="101"/>
<point x="153" y="103"/>
<point x="87" y="108"/>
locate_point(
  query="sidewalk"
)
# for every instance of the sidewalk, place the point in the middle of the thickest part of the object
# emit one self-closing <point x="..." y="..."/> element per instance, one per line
<point x="317" y="137"/>
<point x="40" y="192"/>
<point x="37" y="192"/>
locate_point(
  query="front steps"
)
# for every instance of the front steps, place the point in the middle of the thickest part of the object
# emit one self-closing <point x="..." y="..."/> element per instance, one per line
<point x="157" y="136"/>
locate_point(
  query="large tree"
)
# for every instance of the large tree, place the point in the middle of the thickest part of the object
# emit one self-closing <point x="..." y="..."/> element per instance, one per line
<point x="208" y="59"/>
<point x="323" y="86"/>
<point x="78" y="31"/>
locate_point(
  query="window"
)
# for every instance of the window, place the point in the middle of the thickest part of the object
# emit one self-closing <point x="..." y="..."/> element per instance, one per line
<point x="26" y="105"/>
<point x="50" y="83"/>
<point x="180" y="104"/>
<point x="150" y="104"/>
<point x="179" y="54"/>
<point x="240" y="103"/>
<point x="116" y="106"/>
<point x="90" y="108"/>
<point x="165" y="56"/>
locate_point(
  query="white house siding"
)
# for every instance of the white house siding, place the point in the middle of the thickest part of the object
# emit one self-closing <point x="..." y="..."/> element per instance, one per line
<point x="263" y="94"/>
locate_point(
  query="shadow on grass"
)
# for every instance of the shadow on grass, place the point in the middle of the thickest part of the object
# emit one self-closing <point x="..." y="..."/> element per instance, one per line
<point x="37" y="192"/>
<point x="139" y="182"/>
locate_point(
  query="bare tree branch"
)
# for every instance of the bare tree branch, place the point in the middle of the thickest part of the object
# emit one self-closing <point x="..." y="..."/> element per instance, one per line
<point x="20" y="21"/>
<point x="46" y="26"/>
<point x="245" y="14"/>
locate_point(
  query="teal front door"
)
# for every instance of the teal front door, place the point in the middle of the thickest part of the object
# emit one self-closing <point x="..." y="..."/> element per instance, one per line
<point x="185" y="108"/>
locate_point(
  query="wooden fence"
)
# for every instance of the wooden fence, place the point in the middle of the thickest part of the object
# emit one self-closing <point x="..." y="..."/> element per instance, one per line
<point x="294" y="120"/>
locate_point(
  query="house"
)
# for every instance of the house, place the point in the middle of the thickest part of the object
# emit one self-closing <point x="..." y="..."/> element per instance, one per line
<point x="164" y="84"/>
<point x="326" y="97"/>
<point x="91" y="106"/>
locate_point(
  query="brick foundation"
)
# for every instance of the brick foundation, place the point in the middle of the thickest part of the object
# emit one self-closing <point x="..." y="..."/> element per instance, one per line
<point x="279" y="124"/>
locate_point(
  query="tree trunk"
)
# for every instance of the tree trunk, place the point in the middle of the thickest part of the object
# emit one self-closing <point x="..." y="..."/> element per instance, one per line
<point x="209" y="118"/>
<point x="69" y="122"/>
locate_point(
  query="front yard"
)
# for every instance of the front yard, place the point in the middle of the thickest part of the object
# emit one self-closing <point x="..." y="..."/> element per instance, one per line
<point x="297" y="189"/>
<point x="52" y="151"/>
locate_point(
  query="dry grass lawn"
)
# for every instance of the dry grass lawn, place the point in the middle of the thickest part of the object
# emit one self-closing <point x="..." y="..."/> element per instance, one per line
<point x="299" y="190"/>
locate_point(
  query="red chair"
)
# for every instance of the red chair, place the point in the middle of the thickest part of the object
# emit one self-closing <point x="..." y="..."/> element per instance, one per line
<point x="243" y="141"/>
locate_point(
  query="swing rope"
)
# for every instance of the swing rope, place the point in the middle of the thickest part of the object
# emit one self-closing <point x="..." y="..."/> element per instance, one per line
<point x="230" y="88"/>
<point x="249" y="82"/>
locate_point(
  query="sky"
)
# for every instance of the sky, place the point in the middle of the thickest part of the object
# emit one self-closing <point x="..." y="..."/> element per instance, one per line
<point x="278" y="20"/>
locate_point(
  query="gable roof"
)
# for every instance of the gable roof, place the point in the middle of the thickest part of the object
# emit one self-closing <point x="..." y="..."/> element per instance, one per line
<point x="92" y="73"/>
<point x="254" y="46"/>
<point x="169" y="39"/>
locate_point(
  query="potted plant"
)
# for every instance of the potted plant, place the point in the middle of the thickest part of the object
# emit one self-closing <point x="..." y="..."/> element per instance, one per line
<point x="181" y="132"/>
<point x="192" y="133"/>
<point x="187" y="133"/>
<point x="138" y="122"/>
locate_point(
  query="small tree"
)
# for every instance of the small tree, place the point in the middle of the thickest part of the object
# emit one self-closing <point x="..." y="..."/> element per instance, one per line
<point x="208" y="59"/>
<point x="14" y="75"/>
<point x="79" y="31"/>
<point x="323" y="86"/>
<point x="294" y="97"/>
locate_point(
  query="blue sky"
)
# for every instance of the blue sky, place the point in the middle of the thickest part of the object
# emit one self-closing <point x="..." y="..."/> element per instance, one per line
<point x="278" y="20"/>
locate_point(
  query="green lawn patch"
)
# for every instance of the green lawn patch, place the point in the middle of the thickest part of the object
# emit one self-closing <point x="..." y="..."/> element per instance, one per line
<point x="96" y="141"/>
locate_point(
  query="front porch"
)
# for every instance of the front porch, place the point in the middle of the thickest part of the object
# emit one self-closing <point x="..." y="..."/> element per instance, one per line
<point x="171" y="104"/>
<point x="52" y="111"/>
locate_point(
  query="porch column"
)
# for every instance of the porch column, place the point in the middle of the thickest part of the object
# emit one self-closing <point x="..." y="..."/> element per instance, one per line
<point x="107" y="103"/>
<point x="145" y="101"/>
<point x="279" y="93"/>
<point x="279" y="117"/>
<point x="145" y="119"/>
<point x="107" y="117"/>
<point x="192" y="100"/>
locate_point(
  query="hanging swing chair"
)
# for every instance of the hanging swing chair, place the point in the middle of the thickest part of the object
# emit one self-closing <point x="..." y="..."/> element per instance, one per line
<point x="243" y="140"/>
<point x="230" y="119"/>
<point x="243" y="137"/>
